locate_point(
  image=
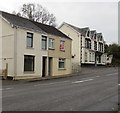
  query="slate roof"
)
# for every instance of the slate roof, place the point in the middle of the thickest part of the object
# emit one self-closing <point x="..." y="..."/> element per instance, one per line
<point x="21" y="22"/>
<point x="50" y="30"/>
<point x="99" y="35"/>
<point x="31" y="25"/>
<point x="92" y="33"/>
<point x="83" y="31"/>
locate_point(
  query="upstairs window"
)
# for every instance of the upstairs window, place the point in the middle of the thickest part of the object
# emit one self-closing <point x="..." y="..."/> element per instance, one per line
<point x="88" y="43"/>
<point x="101" y="38"/>
<point x="95" y="36"/>
<point x="51" y="43"/>
<point x="98" y="39"/>
<point x="62" y="48"/>
<point x="95" y="45"/>
<point x="44" y="42"/>
<point x="29" y="40"/>
<point x="100" y="47"/>
<point x="88" y="33"/>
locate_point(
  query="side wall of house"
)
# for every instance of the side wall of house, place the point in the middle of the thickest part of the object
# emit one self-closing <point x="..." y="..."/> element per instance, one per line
<point x="0" y="45"/>
<point x="8" y="47"/>
<point x="76" y="46"/>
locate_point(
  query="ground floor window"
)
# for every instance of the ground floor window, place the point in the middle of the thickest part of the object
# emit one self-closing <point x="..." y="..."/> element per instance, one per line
<point x="61" y="63"/>
<point x="93" y="57"/>
<point x="29" y="63"/>
<point x="90" y="57"/>
<point x="86" y="56"/>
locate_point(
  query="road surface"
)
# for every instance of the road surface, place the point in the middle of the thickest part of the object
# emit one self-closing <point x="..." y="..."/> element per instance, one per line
<point x="94" y="89"/>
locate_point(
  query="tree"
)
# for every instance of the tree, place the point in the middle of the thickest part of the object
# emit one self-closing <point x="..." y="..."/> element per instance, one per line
<point x="106" y="48"/>
<point x="37" y="13"/>
<point x="113" y="49"/>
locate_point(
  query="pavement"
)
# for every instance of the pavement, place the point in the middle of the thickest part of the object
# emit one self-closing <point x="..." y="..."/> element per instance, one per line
<point x="94" y="89"/>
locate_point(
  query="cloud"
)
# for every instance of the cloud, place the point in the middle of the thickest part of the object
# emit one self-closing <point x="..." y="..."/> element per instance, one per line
<point x="102" y="16"/>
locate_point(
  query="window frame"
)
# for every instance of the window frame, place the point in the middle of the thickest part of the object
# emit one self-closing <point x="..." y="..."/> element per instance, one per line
<point x="51" y="42"/>
<point x="88" y="33"/>
<point x="95" y="45"/>
<point x="29" y="37"/>
<point x="61" y="60"/>
<point x="86" y="57"/>
<point x="44" y="38"/>
<point x="63" y="45"/>
<point x="95" y="35"/>
<point x="33" y="63"/>
<point x="88" y="44"/>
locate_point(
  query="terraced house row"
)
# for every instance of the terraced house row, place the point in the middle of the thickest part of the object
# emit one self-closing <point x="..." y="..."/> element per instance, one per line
<point x="87" y="45"/>
<point x="33" y="49"/>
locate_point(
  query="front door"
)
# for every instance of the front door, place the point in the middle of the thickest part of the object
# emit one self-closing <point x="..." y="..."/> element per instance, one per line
<point x="50" y="66"/>
<point x="44" y="59"/>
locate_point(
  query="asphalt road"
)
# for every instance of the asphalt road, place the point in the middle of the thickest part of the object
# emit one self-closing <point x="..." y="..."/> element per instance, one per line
<point x="94" y="89"/>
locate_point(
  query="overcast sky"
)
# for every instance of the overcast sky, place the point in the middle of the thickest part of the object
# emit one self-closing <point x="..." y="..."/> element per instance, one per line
<point x="100" y="16"/>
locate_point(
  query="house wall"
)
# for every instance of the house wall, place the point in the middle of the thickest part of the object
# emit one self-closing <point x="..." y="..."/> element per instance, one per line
<point x="0" y="43"/>
<point x="35" y="51"/>
<point x="14" y="48"/>
<point x="75" y="41"/>
<point x="7" y="36"/>
<point x="76" y="45"/>
<point x="90" y="56"/>
<point x="56" y="54"/>
<point x="92" y="51"/>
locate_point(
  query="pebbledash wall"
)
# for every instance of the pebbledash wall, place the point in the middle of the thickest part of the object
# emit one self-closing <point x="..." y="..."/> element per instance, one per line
<point x="57" y="54"/>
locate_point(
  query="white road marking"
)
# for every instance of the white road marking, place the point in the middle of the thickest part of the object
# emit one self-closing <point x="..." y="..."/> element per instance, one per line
<point x="118" y="84"/>
<point x="51" y="83"/>
<point x="111" y="74"/>
<point x="82" y="81"/>
<point x="5" y="89"/>
<point x="8" y="88"/>
<point x="95" y="77"/>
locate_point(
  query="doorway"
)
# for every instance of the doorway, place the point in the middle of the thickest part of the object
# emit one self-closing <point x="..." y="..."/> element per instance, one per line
<point x="50" y="66"/>
<point x="44" y="62"/>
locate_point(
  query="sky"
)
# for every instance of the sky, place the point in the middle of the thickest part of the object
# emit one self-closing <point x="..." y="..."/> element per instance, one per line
<point x="99" y="15"/>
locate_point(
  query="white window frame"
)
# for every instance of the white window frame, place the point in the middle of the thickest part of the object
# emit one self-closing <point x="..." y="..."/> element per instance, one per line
<point x="90" y="57"/>
<point x="44" y="39"/>
<point x="29" y="36"/>
<point x="86" y="57"/>
<point x="62" y="43"/>
<point x="61" y="60"/>
<point x="51" y="43"/>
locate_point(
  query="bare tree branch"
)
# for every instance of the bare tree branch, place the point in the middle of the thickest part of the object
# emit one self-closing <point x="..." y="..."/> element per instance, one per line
<point x="37" y="13"/>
